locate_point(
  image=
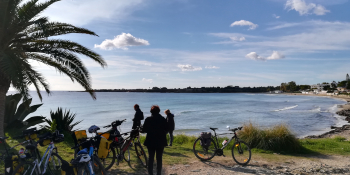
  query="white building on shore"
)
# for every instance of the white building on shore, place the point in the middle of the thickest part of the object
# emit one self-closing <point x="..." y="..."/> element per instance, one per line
<point x="319" y="86"/>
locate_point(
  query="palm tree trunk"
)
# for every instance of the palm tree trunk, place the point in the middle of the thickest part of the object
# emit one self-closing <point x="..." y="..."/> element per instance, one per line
<point x="4" y="87"/>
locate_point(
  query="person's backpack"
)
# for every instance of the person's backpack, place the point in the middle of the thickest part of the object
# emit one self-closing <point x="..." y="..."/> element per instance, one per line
<point x="205" y="139"/>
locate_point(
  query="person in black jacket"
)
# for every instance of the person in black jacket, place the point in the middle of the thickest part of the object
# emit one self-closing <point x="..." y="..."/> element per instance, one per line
<point x="156" y="128"/>
<point x="171" y="125"/>
<point x="137" y="117"/>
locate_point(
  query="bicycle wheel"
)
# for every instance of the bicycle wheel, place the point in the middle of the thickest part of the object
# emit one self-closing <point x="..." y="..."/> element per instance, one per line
<point x="141" y="154"/>
<point x="110" y="159"/>
<point x="202" y="152"/>
<point x="55" y="162"/>
<point x="25" y="168"/>
<point x="127" y="155"/>
<point x="97" y="166"/>
<point x="83" y="169"/>
<point x="241" y="153"/>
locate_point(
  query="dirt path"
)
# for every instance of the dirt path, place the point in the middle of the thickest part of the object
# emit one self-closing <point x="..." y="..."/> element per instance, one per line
<point x="284" y="165"/>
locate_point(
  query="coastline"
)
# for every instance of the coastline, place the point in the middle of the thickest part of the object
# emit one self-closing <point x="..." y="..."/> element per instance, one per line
<point x="344" y="130"/>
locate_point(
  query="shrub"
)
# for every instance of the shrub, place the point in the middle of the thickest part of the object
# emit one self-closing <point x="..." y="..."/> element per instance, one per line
<point x="278" y="138"/>
<point x="64" y="120"/>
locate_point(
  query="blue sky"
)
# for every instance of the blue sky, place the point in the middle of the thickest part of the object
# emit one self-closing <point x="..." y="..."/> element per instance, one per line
<point x="197" y="43"/>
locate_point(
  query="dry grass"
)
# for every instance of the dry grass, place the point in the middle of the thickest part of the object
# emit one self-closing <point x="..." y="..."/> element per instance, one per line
<point x="278" y="138"/>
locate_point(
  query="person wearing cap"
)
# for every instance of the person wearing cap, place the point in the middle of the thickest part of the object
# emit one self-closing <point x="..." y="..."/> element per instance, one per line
<point x="156" y="128"/>
<point x="137" y="117"/>
<point x="171" y="125"/>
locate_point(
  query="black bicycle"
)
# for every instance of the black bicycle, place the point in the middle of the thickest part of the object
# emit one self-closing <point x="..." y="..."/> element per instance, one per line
<point x="206" y="148"/>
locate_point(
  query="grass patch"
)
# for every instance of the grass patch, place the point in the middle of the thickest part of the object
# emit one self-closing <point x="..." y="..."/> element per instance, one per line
<point x="278" y="138"/>
<point x="337" y="145"/>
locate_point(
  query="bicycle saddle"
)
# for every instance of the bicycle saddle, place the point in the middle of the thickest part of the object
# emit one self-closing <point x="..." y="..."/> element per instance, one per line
<point x="213" y="129"/>
<point x="3" y="138"/>
<point x="83" y="151"/>
<point x="30" y="147"/>
<point x="44" y="136"/>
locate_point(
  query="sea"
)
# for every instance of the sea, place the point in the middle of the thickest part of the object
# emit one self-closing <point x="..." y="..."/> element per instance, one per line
<point x="196" y="112"/>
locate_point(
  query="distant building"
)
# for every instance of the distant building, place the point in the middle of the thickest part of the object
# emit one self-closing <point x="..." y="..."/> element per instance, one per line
<point x="319" y="86"/>
<point x="278" y="91"/>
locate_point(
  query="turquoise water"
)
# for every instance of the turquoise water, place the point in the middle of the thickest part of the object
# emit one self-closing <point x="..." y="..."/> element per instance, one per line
<point x="197" y="112"/>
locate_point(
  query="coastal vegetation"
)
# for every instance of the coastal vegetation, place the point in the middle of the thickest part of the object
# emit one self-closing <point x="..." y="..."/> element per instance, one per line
<point x="16" y="115"/>
<point x="62" y="120"/>
<point x="25" y="36"/>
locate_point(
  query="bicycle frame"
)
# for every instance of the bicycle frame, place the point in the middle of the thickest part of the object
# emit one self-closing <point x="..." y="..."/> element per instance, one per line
<point x="37" y="164"/>
<point x="228" y="142"/>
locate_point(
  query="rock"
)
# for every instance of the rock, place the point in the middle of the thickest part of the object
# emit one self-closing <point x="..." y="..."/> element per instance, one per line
<point x="196" y="170"/>
<point x="187" y="165"/>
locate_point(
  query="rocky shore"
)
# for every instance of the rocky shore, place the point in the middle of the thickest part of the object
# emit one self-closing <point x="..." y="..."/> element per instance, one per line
<point x="341" y="131"/>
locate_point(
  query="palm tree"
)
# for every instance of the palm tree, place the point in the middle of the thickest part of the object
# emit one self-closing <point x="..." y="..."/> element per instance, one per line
<point x="25" y="36"/>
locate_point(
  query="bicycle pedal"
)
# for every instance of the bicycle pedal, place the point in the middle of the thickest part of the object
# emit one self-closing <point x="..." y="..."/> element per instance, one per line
<point x="223" y="155"/>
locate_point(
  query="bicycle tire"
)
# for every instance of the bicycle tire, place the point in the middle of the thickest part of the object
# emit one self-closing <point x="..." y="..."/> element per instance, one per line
<point x="56" y="161"/>
<point x="127" y="155"/>
<point x="140" y="152"/>
<point x="241" y="153"/>
<point x="202" y="153"/>
<point x="25" y="168"/>
<point x="99" y="169"/>
<point x="109" y="160"/>
<point x="83" y="169"/>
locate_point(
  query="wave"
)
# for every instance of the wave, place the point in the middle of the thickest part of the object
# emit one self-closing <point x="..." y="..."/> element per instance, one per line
<point x="185" y="112"/>
<point x="286" y="108"/>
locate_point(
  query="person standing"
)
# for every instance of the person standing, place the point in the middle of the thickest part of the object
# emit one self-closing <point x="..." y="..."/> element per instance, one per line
<point x="137" y="117"/>
<point x="156" y="128"/>
<point x="171" y="125"/>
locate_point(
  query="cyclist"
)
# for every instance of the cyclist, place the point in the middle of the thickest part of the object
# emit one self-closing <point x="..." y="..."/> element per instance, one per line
<point x="156" y="128"/>
<point x="137" y="117"/>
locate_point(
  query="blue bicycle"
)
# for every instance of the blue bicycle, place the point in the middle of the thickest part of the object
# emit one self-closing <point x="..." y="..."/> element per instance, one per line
<point x="86" y="162"/>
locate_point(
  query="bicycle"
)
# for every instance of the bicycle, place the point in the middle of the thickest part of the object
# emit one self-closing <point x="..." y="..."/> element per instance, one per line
<point x="117" y="141"/>
<point x="86" y="162"/>
<point x="30" y="164"/>
<point x="135" y="139"/>
<point x="241" y="152"/>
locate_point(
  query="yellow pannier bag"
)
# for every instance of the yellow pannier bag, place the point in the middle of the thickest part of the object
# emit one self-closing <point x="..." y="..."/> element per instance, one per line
<point x="105" y="135"/>
<point x="103" y="148"/>
<point x="45" y="142"/>
<point x="15" y="163"/>
<point x="32" y="136"/>
<point x="81" y="134"/>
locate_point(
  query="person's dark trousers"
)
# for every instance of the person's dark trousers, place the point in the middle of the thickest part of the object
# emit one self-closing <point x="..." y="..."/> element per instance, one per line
<point x="159" y="154"/>
<point x="171" y="136"/>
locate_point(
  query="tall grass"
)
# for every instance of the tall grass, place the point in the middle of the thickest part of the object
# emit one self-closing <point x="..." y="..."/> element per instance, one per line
<point x="278" y="138"/>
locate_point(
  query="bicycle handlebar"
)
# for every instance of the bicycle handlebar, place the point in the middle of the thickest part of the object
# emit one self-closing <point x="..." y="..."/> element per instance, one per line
<point x="120" y="121"/>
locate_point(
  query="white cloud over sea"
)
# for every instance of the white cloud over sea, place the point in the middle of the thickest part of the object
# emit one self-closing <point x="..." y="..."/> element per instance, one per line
<point x="122" y="41"/>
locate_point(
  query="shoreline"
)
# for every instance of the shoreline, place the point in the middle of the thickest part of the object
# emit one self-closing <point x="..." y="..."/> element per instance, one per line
<point x="344" y="130"/>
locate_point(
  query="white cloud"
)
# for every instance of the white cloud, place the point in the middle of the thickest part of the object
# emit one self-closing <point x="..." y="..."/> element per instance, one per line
<point x="275" y="55"/>
<point x="234" y="38"/>
<point x="147" y="80"/>
<point x="304" y="9"/>
<point x="255" y="56"/>
<point x="122" y="41"/>
<point x="245" y="23"/>
<point x="212" y="67"/>
<point x="188" y="67"/>
<point x="84" y="12"/>
<point x="275" y="16"/>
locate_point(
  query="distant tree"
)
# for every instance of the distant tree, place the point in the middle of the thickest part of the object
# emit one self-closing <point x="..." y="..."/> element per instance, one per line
<point x="292" y="86"/>
<point x="326" y="88"/>
<point x="283" y="87"/>
<point x="342" y="84"/>
<point x="324" y="83"/>
<point x="155" y="88"/>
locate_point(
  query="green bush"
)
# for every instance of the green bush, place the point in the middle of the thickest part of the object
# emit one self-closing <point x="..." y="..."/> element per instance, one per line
<point x="278" y="138"/>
